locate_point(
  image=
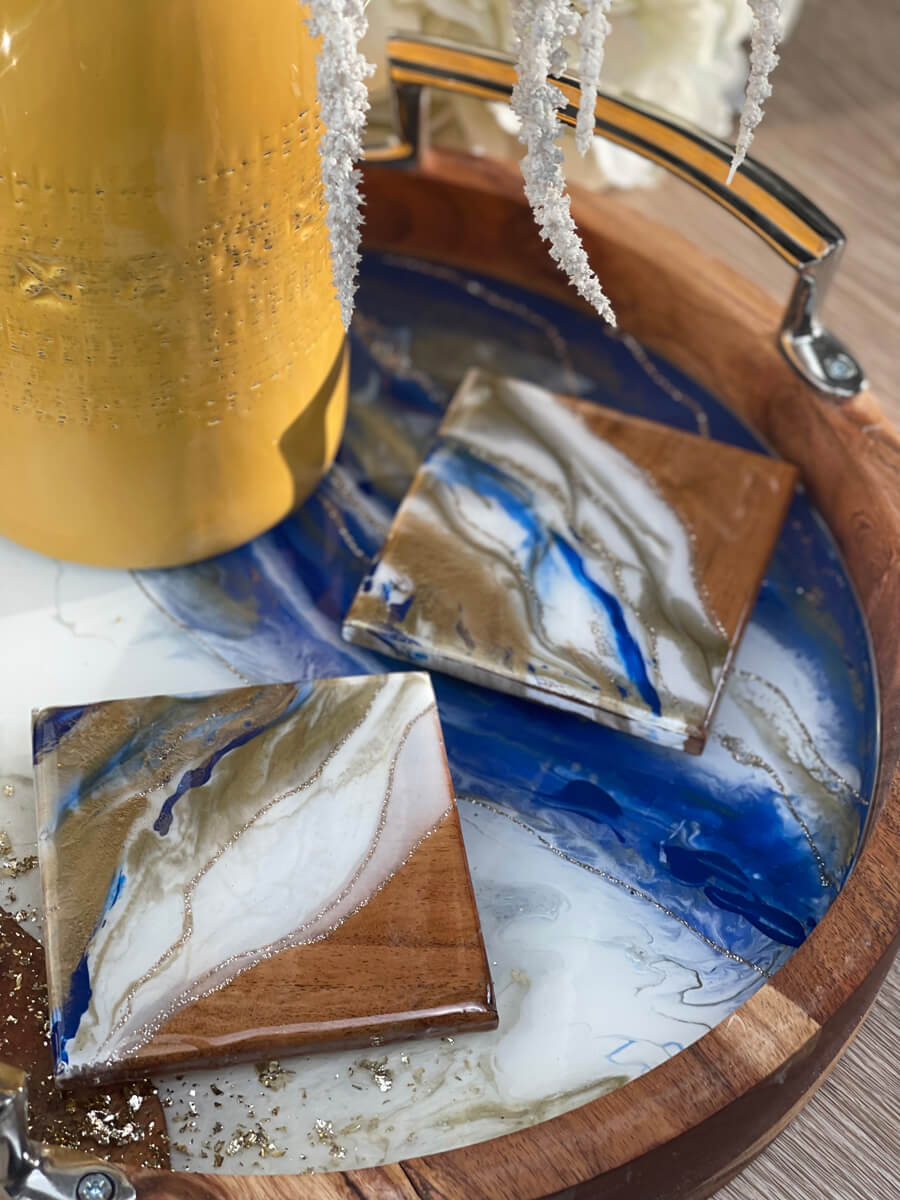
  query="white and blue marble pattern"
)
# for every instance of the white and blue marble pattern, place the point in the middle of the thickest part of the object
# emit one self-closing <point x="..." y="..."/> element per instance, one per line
<point x="534" y="556"/>
<point x="228" y="828"/>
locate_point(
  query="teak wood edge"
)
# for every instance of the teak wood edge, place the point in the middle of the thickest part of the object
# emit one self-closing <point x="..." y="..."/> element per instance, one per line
<point x="683" y="1129"/>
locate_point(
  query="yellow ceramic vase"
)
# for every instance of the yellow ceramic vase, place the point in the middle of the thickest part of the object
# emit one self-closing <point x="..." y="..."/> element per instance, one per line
<point x="172" y="362"/>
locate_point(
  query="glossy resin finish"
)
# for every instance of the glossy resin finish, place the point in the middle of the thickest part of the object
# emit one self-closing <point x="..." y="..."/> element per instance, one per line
<point x="560" y="551"/>
<point x="258" y="870"/>
<point x="631" y="896"/>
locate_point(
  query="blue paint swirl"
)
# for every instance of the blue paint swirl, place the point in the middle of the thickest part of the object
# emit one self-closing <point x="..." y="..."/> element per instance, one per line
<point x="629" y="650"/>
<point x="456" y="465"/>
<point x="64" y="1022"/>
<point x="197" y="776"/>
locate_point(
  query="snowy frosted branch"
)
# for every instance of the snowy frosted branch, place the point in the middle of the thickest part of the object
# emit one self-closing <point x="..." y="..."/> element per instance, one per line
<point x="592" y="40"/>
<point x="763" y="61"/>
<point x="341" y="71"/>
<point x="541" y="28"/>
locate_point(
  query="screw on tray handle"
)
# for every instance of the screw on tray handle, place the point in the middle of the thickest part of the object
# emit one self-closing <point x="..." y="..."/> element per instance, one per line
<point x="30" y="1170"/>
<point x="791" y="224"/>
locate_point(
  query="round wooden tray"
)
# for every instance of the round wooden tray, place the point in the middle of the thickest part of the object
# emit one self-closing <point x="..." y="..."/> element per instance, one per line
<point x="686" y="1127"/>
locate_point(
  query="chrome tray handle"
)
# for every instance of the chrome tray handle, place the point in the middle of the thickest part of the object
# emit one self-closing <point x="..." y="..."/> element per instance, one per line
<point x="30" y="1170"/>
<point x="791" y="224"/>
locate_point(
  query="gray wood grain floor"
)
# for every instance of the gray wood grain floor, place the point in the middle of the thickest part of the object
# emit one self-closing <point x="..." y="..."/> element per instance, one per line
<point x="845" y="1145"/>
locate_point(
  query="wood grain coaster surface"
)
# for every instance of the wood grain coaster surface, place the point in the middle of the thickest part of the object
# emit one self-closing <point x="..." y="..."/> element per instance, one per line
<point x="734" y="502"/>
<point x="409" y="963"/>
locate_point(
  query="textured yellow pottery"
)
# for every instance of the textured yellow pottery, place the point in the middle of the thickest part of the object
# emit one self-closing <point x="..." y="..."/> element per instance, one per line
<point x="172" y="363"/>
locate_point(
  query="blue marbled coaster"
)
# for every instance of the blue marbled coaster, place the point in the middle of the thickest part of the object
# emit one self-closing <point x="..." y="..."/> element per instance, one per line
<point x="566" y="553"/>
<point x="211" y="867"/>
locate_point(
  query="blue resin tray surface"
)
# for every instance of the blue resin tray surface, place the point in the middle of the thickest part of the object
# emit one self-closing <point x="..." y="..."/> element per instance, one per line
<point x="631" y="896"/>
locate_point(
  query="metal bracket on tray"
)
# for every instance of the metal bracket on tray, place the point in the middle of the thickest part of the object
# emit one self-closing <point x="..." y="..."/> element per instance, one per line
<point x="791" y="224"/>
<point x="30" y="1170"/>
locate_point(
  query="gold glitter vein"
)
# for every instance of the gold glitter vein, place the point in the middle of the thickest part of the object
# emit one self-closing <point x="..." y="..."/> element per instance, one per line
<point x="474" y="287"/>
<point x="641" y="357"/>
<point x="804" y="733"/>
<point x="191" y="633"/>
<point x="746" y="758"/>
<point x="340" y="524"/>
<point x="621" y="883"/>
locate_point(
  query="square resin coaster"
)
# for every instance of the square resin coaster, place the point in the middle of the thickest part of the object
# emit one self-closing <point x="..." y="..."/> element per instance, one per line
<point x="270" y="869"/>
<point x="561" y="551"/>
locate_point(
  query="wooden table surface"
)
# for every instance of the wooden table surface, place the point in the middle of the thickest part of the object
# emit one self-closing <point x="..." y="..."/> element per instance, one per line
<point x="833" y="129"/>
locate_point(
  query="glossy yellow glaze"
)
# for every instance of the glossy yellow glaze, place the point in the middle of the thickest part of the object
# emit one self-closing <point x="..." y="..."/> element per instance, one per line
<point x="172" y="374"/>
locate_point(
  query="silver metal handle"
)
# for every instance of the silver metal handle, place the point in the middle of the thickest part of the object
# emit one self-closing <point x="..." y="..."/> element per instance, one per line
<point x="32" y="1171"/>
<point x="783" y="217"/>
